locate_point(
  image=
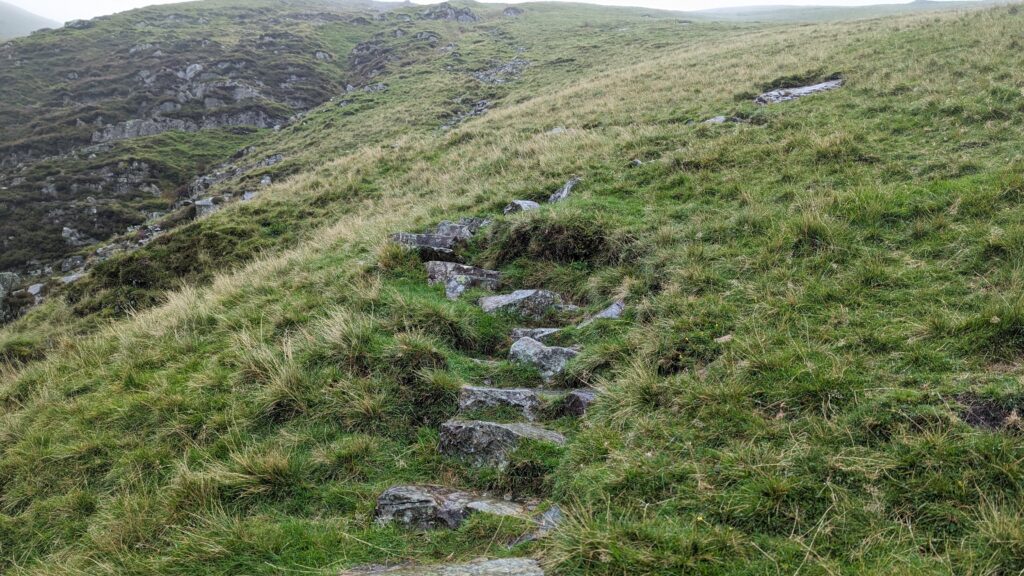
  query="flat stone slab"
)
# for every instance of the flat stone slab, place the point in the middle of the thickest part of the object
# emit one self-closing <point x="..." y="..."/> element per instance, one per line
<point x="520" y="206"/>
<point x="428" y="507"/>
<point x="523" y="400"/>
<point x="490" y="443"/>
<point x="428" y="245"/>
<point x="786" y="94"/>
<point x="613" y="312"/>
<point x="565" y="190"/>
<point x="457" y="278"/>
<point x="549" y="360"/>
<point x="502" y="567"/>
<point x="464" y="228"/>
<point x="533" y="304"/>
<point x="538" y="334"/>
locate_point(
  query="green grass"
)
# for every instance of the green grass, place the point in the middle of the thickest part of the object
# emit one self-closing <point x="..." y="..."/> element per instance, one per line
<point x="861" y="248"/>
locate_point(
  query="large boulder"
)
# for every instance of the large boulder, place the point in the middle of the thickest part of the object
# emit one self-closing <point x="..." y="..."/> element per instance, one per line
<point x="503" y="567"/>
<point x="533" y="304"/>
<point x="523" y="400"/>
<point x="565" y="190"/>
<point x="457" y="278"/>
<point x="490" y="443"/>
<point x="549" y="360"/>
<point x="425" y="507"/>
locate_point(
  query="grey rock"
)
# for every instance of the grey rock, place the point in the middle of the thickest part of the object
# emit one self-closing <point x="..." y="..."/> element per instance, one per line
<point x="577" y="402"/>
<point x="538" y="334"/>
<point x="323" y="56"/>
<point x="612" y="312"/>
<point x="446" y="11"/>
<point x="547" y="522"/>
<point x="512" y="11"/>
<point x="722" y="120"/>
<point x="70" y="279"/>
<point x="557" y="130"/>
<point x="71" y="263"/>
<point x="528" y="303"/>
<point x="430" y="507"/>
<point x="73" y="237"/>
<point x="490" y="443"/>
<point x="457" y="278"/>
<point x="8" y="281"/>
<point x="501" y="72"/>
<point x="520" y="206"/>
<point x="565" y="190"/>
<point x="524" y="400"/>
<point x="79" y="24"/>
<point x="36" y="289"/>
<point x="636" y="163"/>
<point x="247" y="196"/>
<point x="503" y="567"/>
<point x="266" y="181"/>
<point x="464" y="228"/>
<point x="549" y="360"/>
<point x="435" y="246"/>
<point x="205" y="207"/>
<point x="786" y="94"/>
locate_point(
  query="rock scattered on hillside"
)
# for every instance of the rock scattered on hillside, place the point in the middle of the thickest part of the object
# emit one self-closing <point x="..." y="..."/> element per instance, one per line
<point x="446" y="11"/>
<point x="538" y="334"/>
<point x="565" y="190"/>
<point x="527" y="303"/>
<point x="457" y="278"/>
<point x="578" y="401"/>
<point x="433" y="507"/>
<point x="503" y="567"/>
<point x="613" y="312"/>
<point x="723" y="120"/>
<point x="520" y="206"/>
<point x="502" y="72"/>
<point x="512" y="12"/>
<point x="524" y="400"/>
<point x="786" y="94"/>
<point x="549" y="360"/>
<point x="490" y="443"/>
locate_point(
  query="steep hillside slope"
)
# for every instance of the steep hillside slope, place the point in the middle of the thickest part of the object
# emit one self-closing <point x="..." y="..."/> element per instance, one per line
<point x="16" y="22"/>
<point x="816" y="370"/>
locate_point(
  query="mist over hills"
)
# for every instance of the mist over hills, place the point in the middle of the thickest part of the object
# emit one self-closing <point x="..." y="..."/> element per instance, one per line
<point x="15" y="21"/>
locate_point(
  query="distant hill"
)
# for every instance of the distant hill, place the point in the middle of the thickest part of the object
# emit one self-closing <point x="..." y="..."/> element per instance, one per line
<point x="782" y="13"/>
<point x="16" y="22"/>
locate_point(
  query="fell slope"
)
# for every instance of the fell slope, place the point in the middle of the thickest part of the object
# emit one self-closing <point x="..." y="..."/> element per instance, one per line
<point x="15" y="21"/>
<point x="817" y="369"/>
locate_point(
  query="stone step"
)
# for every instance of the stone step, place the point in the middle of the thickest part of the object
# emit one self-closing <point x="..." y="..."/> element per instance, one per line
<point x="490" y="443"/>
<point x="429" y="246"/>
<point x="524" y="400"/>
<point x="429" y="507"/>
<point x="457" y="278"/>
<point x="538" y="334"/>
<point x="549" y="360"/>
<point x="533" y="304"/>
<point x="502" y="567"/>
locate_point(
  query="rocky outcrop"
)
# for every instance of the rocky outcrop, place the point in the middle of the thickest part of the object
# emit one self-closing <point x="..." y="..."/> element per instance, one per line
<point x="457" y="278"/>
<point x="565" y="190"/>
<point x="431" y="507"/>
<point x="501" y="72"/>
<point x="520" y="206"/>
<point x="443" y="240"/>
<point x="533" y="304"/>
<point x="490" y="443"/>
<point x="512" y="11"/>
<point x="523" y="400"/>
<point x="503" y="567"/>
<point x="152" y="126"/>
<point x="446" y="11"/>
<point x="548" y="360"/>
<point x="786" y="94"/>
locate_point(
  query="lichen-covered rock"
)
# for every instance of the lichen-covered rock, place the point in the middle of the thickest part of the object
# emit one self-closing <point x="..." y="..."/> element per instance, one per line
<point x="457" y="278"/>
<point x="446" y="11"/>
<point x="538" y="334"/>
<point x="437" y="246"/>
<point x="425" y="507"/>
<point x="490" y="443"/>
<point x="464" y="228"/>
<point x="520" y="206"/>
<point x="613" y="312"/>
<point x="565" y="190"/>
<point x="524" y="400"/>
<point x="549" y="360"/>
<point x="503" y="567"/>
<point x="578" y="401"/>
<point x="528" y="303"/>
<point x="785" y="94"/>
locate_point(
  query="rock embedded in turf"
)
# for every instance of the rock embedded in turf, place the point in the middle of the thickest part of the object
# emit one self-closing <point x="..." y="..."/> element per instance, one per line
<point x="436" y="246"/>
<point x="464" y="228"/>
<point x="533" y="304"/>
<point x="426" y="507"/>
<point x="577" y="402"/>
<point x="523" y="400"/>
<point x="786" y="94"/>
<point x="564" y="192"/>
<point x="722" y="120"/>
<point x="520" y="206"/>
<point x="502" y="567"/>
<point x="490" y="443"/>
<point x="613" y="312"/>
<point x="457" y="278"/>
<point x="548" y="360"/>
<point x="538" y="334"/>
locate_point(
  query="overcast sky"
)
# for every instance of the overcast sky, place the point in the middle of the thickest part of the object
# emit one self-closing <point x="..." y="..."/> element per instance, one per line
<point x="63" y="10"/>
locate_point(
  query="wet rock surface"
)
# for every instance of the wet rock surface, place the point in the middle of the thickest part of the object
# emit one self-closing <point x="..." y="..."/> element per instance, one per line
<point x="427" y="507"/>
<point x="786" y="94"/>
<point x="524" y="400"/>
<point x="457" y="278"/>
<point x="527" y="303"/>
<point x="548" y="360"/>
<point x="490" y="443"/>
<point x="502" y="567"/>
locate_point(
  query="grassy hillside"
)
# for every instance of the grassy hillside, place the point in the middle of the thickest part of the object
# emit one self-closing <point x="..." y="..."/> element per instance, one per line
<point x="15" y="21"/>
<point x="818" y="370"/>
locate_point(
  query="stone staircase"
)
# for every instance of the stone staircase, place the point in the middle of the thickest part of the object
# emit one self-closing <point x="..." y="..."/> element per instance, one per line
<point x="483" y="443"/>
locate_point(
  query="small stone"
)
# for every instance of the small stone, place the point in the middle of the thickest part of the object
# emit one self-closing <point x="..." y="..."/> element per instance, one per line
<point x="578" y="401"/>
<point x="613" y="312"/>
<point x="528" y="303"/>
<point x="549" y="360"/>
<point x="520" y="206"/>
<point x="490" y="443"/>
<point x="523" y="400"/>
<point x="565" y="190"/>
<point x="458" y="278"/>
<point x="724" y="339"/>
<point x="636" y="163"/>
